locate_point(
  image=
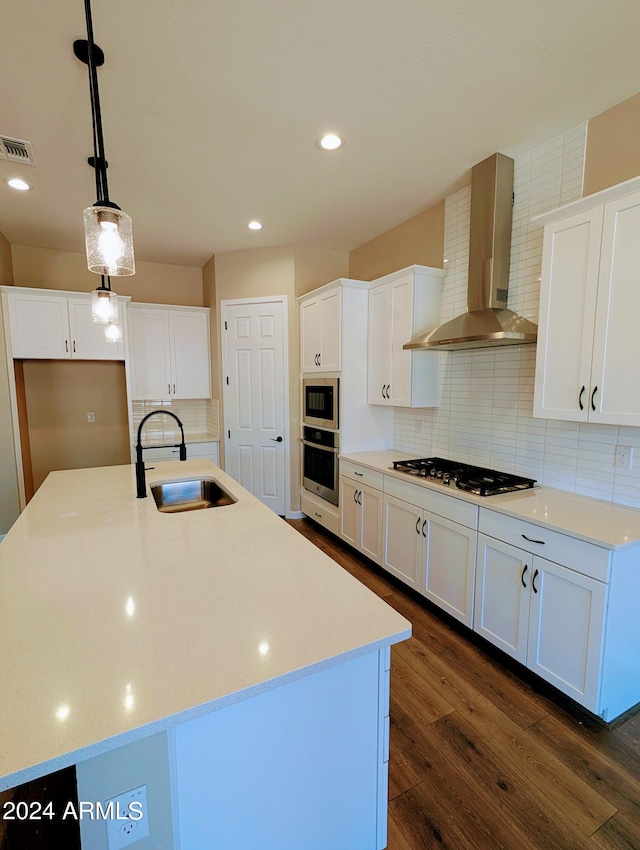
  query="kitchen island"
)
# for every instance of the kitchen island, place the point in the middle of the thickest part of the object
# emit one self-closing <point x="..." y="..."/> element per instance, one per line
<point x="262" y="664"/>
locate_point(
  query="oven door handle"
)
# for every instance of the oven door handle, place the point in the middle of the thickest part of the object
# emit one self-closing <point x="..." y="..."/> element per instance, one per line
<point x="322" y="448"/>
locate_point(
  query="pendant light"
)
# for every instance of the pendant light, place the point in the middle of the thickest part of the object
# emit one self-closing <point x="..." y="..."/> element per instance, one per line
<point x="108" y="229"/>
<point x="104" y="304"/>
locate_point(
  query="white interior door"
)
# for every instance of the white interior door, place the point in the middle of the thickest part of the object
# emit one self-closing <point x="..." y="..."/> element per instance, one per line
<point x="255" y="402"/>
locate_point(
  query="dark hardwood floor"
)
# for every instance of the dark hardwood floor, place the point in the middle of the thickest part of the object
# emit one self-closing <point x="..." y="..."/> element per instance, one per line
<point x="484" y="755"/>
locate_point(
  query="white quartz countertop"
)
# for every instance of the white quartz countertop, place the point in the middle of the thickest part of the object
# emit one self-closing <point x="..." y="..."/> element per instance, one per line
<point x="117" y="621"/>
<point x="602" y="523"/>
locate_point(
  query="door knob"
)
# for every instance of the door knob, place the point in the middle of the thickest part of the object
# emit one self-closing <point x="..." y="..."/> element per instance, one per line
<point x="277" y="439"/>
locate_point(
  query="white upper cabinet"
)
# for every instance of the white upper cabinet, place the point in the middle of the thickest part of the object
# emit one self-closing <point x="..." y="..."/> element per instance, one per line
<point x="169" y="352"/>
<point x="588" y="343"/>
<point x="320" y="331"/>
<point x="402" y="306"/>
<point x="44" y="325"/>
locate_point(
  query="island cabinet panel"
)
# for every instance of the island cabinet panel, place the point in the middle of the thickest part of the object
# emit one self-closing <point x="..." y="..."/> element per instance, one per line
<point x="303" y="765"/>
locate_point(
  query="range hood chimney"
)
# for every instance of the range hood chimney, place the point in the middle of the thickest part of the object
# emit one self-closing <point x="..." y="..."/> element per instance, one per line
<point x="487" y="321"/>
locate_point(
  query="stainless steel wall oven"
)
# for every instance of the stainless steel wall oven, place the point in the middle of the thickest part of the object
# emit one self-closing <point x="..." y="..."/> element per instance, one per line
<point x="320" y="463"/>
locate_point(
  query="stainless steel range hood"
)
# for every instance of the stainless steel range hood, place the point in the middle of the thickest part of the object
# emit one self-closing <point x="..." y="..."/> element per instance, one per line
<point x="487" y="321"/>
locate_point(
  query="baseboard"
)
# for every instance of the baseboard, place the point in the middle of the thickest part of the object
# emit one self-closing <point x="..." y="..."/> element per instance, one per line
<point x="295" y="515"/>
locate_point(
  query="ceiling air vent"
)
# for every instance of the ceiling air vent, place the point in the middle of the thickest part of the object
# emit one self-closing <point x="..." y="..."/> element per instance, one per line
<point x="16" y="150"/>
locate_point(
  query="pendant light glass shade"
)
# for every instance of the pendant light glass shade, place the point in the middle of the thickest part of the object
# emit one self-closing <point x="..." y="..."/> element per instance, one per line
<point x="113" y="333"/>
<point x="104" y="306"/>
<point x="108" y="234"/>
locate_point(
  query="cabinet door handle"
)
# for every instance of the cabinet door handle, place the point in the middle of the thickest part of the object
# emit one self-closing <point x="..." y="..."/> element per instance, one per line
<point x="418" y="526"/>
<point x="580" y="398"/>
<point x="595" y="390"/>
<point x="533" y="540"/>
<point x="169" y="388"/>
<point x="355" y="496"/>
<point x="66" y="345"/>
<point x="320" y="359"/>
<point x="174" y="389"/>
<point x="424" y="525"/>
<point x="74" y="346"/>
<point x="359" y="497"/>
<point x="382" y="391"/>
<point x="533" y="582"/>
<point x="388" y="388"/>
<point x="524" y="572"/>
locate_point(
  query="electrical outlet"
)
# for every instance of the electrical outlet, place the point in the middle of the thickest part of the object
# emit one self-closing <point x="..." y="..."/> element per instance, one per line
<point x="91" y="417"/>
<point x="129" y="818"/>
<point x="419" y="426"/>
<point x="624" y="457"/>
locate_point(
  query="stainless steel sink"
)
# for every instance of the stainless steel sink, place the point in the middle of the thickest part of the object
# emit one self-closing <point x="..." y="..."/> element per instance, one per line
<point x="191" y="494"/>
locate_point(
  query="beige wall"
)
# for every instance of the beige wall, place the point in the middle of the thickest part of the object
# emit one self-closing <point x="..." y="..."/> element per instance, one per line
<point x="613" y="151"/>
<point x="59" y="394"/>
<point x="420" y="240"/>
<point x="156" y="283"/>
<point x="313" y="267"/>
<point x="9" y="499"/>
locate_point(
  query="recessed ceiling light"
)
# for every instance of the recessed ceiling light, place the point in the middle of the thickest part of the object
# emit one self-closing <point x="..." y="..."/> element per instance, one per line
<point x="254" y="225"/>
<point x="330" y="142"/>
<point x="17" y="183"/>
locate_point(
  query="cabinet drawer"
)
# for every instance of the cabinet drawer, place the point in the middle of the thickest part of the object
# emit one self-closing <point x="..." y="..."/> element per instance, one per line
<point x="362" y="474"/>
<point x="320" y="514"/>
<point x="578" y="555"/>
<point x="443" y="504"/>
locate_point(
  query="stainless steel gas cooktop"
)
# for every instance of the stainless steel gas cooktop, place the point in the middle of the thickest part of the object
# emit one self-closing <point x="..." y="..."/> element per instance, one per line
<point x="464" y="476"/>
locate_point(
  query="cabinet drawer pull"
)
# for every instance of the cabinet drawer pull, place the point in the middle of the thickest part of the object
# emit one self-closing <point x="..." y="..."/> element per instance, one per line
<point x="593" y="406"/>
<point x="533" y="582"/>
<point x="359" y="473"/>
<point x="524" y="572"/>
<point x="418" y="526"/>
<point x="580" y="398"/>
<point x="318" y="515"/>
<point x="533" y="540"/>
<point x="424" y="525"/>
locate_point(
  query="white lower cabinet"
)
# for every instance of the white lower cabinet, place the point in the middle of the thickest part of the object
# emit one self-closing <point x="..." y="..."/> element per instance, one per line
<point x="361" y="517"/>
<point x="431" y="553"/>
<point x="561" y="605"/>
<point x="544" y="615"/>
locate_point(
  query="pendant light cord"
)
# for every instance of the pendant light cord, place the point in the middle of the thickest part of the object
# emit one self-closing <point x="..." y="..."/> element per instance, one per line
<point x="100" y="166"/>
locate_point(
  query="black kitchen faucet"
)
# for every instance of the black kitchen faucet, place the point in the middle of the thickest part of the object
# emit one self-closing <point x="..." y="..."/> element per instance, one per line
<point x="141" y="482"/>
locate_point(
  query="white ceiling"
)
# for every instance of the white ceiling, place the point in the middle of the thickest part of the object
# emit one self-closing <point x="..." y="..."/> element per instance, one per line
<point x="211" y="109"/>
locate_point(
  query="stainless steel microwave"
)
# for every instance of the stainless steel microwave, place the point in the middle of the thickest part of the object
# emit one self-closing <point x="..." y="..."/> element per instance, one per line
<point x="320" y="402"/>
